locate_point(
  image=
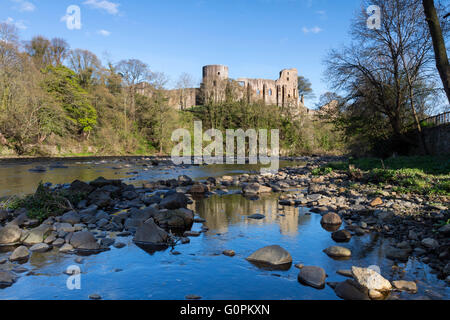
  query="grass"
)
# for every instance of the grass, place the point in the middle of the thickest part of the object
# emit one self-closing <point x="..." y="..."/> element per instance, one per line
<point x="44" y="202"/>
<point x="423" y="175"/>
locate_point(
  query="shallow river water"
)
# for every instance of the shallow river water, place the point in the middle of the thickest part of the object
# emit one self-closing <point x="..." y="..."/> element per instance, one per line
<point x="200" y="268"/>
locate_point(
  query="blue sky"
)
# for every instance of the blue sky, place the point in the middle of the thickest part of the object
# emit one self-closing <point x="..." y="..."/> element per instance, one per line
<point x="255" y="38"/>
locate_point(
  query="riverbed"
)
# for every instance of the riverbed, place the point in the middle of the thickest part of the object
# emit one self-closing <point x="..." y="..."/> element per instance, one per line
<point x="199" y="268"/>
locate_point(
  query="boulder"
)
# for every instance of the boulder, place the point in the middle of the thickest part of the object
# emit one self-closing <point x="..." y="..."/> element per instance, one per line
<point x="84" y="240"/>
<point x="271" y="255"/>
<point x="370" y="279"/>
<point x="101" y="182"/>
<point x="430" y="243"/>
<point x="445" y="230"/>
<point x="177" y="219"/>
<point x="66" y="248"/>
<point x="376" y="202"/>
<point x="80" y="187"/>
<point x="198" y="188"/>
<point x="331" y="219"/>
<point x="174" y="201"/>
<point x="71" y="217"/>
<point x="7" y="279"/>
<point x="3" y="215"/>
<point x="398" y="254"/>
<point x="10" y="234"/>
<point x="341" y="236"/>
<point x="348" y="290"/>
<point x="312" y="276"/>
<point x="20" y="254"/>
<point x="150" y="233"/>
<point x="338" y="252"/>
<point x="257" y="216"/>
<point x="100" y="198"/>
<point x="255" y="188"/>
<point x="184" y="180"/>
<point x="403" y="285"/>
<point x="40" y="247"/>
<point x="37" y="235"/>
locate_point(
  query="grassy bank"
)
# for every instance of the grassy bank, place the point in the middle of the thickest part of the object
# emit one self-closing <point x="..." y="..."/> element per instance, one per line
<point x="421" y="175"/>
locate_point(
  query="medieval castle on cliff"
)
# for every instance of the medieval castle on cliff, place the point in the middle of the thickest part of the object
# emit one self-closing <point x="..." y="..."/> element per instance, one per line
<point x="216" y="85"/>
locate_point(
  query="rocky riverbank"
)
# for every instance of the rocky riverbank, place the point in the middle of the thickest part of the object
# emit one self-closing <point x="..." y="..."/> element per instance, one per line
<point x="85" y="218"/>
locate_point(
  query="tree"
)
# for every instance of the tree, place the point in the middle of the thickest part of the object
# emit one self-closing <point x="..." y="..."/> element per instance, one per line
<point x="39" y="49"/>
<point x="86" y="65"/>
<point x="59" y="49"/>
<point x="304" y="88"/>
<point x="184" y="82"/>
<point x="133" y="72"/>
<point x="440" y="50"/>
<point x="385" y="67"/>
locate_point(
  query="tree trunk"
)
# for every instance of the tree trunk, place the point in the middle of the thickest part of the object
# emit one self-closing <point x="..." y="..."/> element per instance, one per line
<point x="438" y="44"/>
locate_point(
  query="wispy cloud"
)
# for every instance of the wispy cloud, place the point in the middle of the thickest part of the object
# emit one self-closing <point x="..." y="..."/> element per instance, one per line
<point x="105" y="5"/>
<point x="24" y="6"/>
<point x="18" y="24"/>
<point x="314" y="30"/>
<point x="104" y="33"/>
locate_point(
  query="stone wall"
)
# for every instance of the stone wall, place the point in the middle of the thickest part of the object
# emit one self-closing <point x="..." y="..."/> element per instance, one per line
<point x="438" y="139"/>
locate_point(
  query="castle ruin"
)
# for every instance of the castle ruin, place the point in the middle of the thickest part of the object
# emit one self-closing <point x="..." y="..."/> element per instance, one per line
<point x="216" y="84"/>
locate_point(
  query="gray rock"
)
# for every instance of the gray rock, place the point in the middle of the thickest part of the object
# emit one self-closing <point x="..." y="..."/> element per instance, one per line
<point x="177" y="219"/>
<point x="348" y="290"/>
<point x="445" y="230"/>
<point x="255" y="188"/>
<point x="95" y="297"/>
<point x="7" y="279"/>
<point x="58" y="242"/>
<point x="341" y="236"/>
<point x="430" y="243"/>
<point x="338" y="252"/>
<point x="40" y="247"/>
<point x="257" y="216"/>
<point x="64" y="227"/>
<point x="150" y="233"/>
<point x="272" y="255"/>
<point x="174" y="201"/>
<point x="398" y="254"/>
<point x="66" y="248"/>
<point x="71" y="217"/>
<point x="107" y="242"/>
<point x="312" y="276"/>
<point x="3" y="215"/>
<point x="20" y="254"/>
<point x="119" y="245"/>
<point x="370" y="279"/>
<point x="84" y="240"/>
<point x="37" y="235"/>
<point x="10" y="234"/>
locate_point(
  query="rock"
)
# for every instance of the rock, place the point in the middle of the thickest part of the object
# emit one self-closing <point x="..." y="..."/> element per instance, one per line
<point x="345" y="273"/>
<point x="377" y="202"/>
<point x="177" y="219"/>
<point x="84" y="240"/>
<point x="299" y="266"/>
<point x="64" y="227"/>
<point x="331" y="219"/>
<point x="58" y="242"/>
<point x="37" y="235"/>
<point x="445" y="230"/>
<point x="71" y="217"/>
<point x="40" y="247"/>
<point x="150" y="233"/>
<point x="255" y="188"/>
<point x="198" y="188"/>
<point x="348" y="290"/>
<point x="66" y="248"/>
<point x="174" y="201"/>
<point x="193" y="297"/>
<point x="271" y="255"/>
<point x="100" y="198"/>
<point x="107" y="242"/>
<point x="191" y="234"/>
<point x="20" y="254"/>
<point x="229" y="253"/>
<point x="370" y="279"/>
<point x="80" y="187"/>
<point x="430" y="243"/>
<point x="341" y="236"/>
<point x="95" y="297"/>
<point x="119" y="245"/>
<point x="3" y="215"/>
<point x="185" y="180"/>
<point x="7" y="279"/>
<point x="397" y="254"/>
<point x="257" y="216"/>
<point x="10" y="234"/>
<point x="376" y="295"/>
<point x="338" y="252"/>
<point x="312" y="276"/>
<point x="403" y="285"/>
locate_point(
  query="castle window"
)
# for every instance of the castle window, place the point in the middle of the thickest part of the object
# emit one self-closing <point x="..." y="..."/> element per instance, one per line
<point x="270" y="92"/>
<point x="258" y="92"/>
<point x="288" y="79"/>
<point x="218" y="73"/>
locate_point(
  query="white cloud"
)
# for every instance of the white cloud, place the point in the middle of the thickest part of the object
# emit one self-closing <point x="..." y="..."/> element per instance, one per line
<point x="24" y="6"/>
<point x="18" y="24"/>
<point x="314" y="30"/>
<point x="109" y="7"/>
<point x="104" y="33"/>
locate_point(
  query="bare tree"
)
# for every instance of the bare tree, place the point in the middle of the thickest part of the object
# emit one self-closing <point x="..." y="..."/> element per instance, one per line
<point x="440" y="50"/>
<point x="389" y="63"/>
<point x="59" y="49"/>
<point x="133" y="72"/>
<point x="39" y="49"/>
<point x="85" y="64"/>
<point x="184" y="83"/>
